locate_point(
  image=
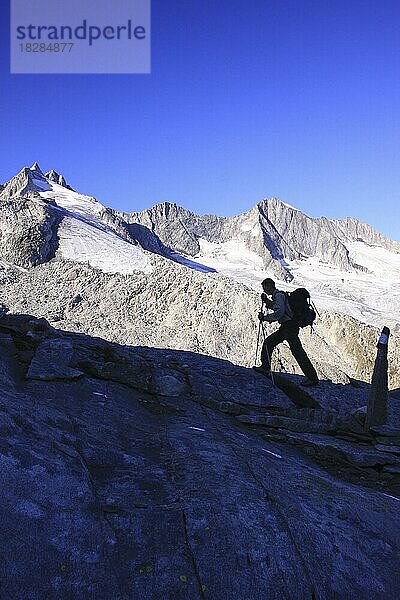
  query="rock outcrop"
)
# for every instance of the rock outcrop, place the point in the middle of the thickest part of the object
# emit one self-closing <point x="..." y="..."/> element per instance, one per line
<point x="141" y="473"/>
<point x="28" y="231"/>
<point x="52" y="175"/>
<point x="28" y="224"/>
<point x="28" y="180"/>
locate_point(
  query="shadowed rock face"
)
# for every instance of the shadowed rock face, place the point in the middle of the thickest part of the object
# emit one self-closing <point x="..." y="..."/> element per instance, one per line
<point x="131" y="473"/>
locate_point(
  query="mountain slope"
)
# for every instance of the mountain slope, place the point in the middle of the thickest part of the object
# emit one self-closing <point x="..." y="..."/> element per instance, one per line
<point x="273" y="230"/>
<point x="140" y="473"/>
<point x="67" y="222"/>
<point x="104" y="273"/>
<point x="176" y="307"/>
<point x="347" y="265"/>
<point x="351" y="230"/>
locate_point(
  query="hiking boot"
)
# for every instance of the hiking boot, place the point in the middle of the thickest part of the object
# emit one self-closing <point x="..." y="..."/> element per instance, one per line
<point x="310" y="382"/>
<point x="263" y="370"/>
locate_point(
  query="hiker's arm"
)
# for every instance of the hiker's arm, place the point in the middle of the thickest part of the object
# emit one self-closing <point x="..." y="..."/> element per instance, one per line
<point x="279" y="308"/>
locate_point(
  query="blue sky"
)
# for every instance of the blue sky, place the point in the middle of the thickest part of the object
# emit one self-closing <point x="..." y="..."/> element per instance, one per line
<point x="298" y="99"/>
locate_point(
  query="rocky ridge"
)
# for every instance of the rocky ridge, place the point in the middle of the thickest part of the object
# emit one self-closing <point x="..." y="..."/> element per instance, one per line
<point x="272" y="229"/>
<point x="31" y="179"/>
<point x="52" y="175"/>
<point x="27" y="180"/>
<point x="352" y="230"/>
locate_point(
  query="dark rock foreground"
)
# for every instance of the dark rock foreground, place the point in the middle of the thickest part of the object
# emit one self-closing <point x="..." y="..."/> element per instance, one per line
<point x="137" y="473"/>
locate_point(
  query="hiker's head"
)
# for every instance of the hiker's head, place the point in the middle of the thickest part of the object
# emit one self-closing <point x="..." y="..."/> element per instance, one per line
<point x="268" y="285"/>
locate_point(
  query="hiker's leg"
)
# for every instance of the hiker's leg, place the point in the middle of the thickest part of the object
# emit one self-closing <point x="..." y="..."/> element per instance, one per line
<point x="292" y="336"/>
<point x="268" y="347"/>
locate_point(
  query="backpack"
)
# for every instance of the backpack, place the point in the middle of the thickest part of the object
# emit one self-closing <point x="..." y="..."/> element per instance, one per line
<point x="300" y="305"/>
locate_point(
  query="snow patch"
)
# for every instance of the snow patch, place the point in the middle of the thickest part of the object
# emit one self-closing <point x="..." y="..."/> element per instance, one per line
<point x="41" y="184"/>
<point x="381" y="262"/>
<point x="75" y="203"/>
<point x="231" y="258"/>
<point x="289" y="205"/>
<point x="372" y="298"/>
<point x="84" y="238"/>
<point x="250" y="224"/>
<point x="84" y="243"/>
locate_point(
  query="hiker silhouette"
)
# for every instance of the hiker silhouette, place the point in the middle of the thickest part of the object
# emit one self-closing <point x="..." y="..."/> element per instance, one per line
<point x="277" y="300"/>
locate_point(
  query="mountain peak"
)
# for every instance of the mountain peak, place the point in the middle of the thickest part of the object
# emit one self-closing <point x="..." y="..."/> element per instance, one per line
<point x="276" y="201"/>
<point x="52" y="175"/>
<point x="29" y="179"/>
<point x="36" y="167"/>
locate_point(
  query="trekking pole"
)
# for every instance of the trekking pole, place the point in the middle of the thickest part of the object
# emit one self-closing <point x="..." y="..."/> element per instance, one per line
<point x="258" y="341"/>
<point x="259" y="332"/>
<point x="266" y="350"/>
<point x="315" y="308"/>
<point x="316" y="312"/>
